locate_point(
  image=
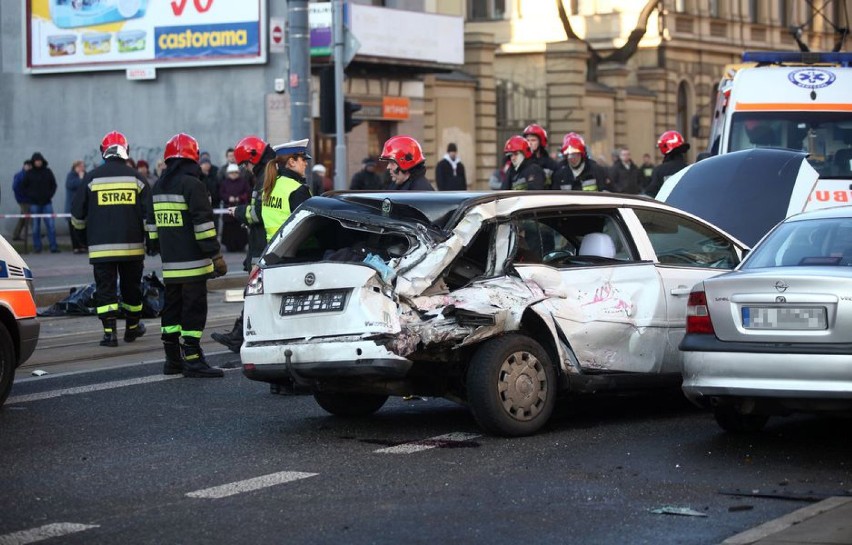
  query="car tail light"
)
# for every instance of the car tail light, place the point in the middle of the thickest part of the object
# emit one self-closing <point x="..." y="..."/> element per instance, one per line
<point x="697" y="315"/>
<point x="255" y="282"/>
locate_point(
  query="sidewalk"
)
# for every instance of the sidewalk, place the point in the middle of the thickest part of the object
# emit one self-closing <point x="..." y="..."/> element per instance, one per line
<point x="823" y="523"/>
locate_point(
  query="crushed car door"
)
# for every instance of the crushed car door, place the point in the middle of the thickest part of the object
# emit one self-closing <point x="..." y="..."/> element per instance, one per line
<point x="609" y="304"/>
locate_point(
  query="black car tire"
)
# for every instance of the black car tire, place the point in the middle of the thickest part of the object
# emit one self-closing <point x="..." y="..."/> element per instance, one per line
<point x="350" y="405"/>
<point x="731" y="420"/>
<point x="7" y="363"/>
<point x="511" y="386"/>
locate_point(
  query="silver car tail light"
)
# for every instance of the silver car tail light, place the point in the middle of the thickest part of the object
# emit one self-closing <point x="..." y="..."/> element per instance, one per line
<point x="697" y="314"/>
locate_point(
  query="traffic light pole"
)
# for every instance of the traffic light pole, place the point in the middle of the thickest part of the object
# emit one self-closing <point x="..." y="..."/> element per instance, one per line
<point x="340" y="134"/>
<point x="300" y="69"/>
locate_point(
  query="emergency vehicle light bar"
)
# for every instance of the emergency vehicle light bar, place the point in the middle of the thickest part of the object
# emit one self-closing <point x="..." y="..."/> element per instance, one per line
<point x="798" y="57"/>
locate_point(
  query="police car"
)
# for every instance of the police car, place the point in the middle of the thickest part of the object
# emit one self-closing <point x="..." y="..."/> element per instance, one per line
<point x="19" y="326"/>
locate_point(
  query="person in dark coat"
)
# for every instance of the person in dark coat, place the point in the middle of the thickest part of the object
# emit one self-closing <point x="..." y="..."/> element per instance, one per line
<point x="39" y="185"/>
<point x="234" y="190"/>
<point x="625" y="176"/>
<point x="406" y="164"/>
<point x="367" y="178"/>
<point x="73" y="183"/>
<point x="674" y="148"/>
<point x="211" y="182"/>
<point x="524" y="173"/>
<point x="22" y="200"/>
<point x="449" y="172"/>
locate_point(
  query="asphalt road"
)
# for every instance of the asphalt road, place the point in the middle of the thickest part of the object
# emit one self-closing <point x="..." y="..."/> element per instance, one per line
<point x="100" y="451"/>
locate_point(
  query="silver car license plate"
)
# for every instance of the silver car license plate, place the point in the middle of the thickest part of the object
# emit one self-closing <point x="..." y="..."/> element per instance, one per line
<point x="796" y="318"/>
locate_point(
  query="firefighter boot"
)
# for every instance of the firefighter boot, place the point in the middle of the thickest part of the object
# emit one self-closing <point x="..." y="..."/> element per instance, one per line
<point x="174" y="358"/>
<point x="133" y="330"/>
<point x="194" y="363"/>
<point x="110" y="338"/>
<point x="234" y="338"/>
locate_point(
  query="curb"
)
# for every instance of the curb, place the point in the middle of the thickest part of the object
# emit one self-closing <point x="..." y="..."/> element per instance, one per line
<point x="780" y="524"/>
<point x="47" y="297"/>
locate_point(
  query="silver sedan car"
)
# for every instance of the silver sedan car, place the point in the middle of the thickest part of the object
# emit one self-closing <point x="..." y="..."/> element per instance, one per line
<point x="774" y="336"/>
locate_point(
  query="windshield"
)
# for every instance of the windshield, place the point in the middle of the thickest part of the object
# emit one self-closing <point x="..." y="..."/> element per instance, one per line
<point x="813" y="242"/>
<point x="826" y="136"/>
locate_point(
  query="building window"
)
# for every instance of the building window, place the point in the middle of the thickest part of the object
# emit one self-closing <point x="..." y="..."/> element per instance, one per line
<point x="680" y="6"/>
<point x="714" y="8"/>
<point x="783" y="13"/>
<point x="753" y="11"/>
<point x="486" y="9"/>
<point x="682" y="119"/>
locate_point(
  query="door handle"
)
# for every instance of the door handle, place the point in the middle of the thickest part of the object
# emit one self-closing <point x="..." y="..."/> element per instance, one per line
<point x="681" y="290"/>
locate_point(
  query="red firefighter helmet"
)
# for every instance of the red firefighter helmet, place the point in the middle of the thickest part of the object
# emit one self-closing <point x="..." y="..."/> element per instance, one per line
<point x="669" y="141"/>
<point x="249" y="149"/>
<point x="404" y="151"/>
<point x="181" y="146"/>
<point x="110" y="145"/>
<point x="517" y="143"/>
<point x="573" y="143"/>
<point x="537" y="130"/>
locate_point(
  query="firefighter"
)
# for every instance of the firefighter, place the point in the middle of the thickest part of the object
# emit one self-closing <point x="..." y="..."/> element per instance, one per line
<point x="524" y="173"/>
<point x="252" y="154"/>
<point x="181" y="228"/>
<point x="673" y="147"/>
<point x="537" y="137"/>
<point x="109" y="214"/>
<point x="407" y="165"/>
<point x="284" y="184"/>
<point x="578" y="172"/>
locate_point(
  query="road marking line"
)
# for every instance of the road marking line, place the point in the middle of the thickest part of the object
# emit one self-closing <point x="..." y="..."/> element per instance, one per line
<point x="426" y="444"/>
<point x="90" y="388"/>
<point x="250" y="485"/>
<point x="47" y="531"/>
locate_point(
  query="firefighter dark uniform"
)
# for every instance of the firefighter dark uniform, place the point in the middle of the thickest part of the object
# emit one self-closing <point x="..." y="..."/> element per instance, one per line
<point x="289" y="190"/>
<point x="181" y="227"/>
<point x="109" y="213"/>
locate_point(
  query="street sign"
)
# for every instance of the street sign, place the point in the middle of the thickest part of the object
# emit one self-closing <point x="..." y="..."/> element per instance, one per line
<point x="277" y="43"/>
<point x="141" y="72"/>
<point x="350" y="45"/>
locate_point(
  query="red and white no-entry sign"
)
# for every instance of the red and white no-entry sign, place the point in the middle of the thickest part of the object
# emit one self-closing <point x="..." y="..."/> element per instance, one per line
<point x="276" y="35"/>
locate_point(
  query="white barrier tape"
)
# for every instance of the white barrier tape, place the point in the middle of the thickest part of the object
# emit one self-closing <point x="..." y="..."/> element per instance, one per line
<point x="219" y="211"/>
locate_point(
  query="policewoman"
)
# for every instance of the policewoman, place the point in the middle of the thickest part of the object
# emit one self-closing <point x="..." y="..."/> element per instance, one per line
<point x="284" y="184"/>
<point x="181" y="228"/>
<point x="109" y="215"/>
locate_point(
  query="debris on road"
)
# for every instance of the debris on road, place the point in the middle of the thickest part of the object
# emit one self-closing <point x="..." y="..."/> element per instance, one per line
<point x="683" y="511"/>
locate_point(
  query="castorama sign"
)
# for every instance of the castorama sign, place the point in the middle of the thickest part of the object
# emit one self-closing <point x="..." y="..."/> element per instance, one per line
<point x="82" y="35"/>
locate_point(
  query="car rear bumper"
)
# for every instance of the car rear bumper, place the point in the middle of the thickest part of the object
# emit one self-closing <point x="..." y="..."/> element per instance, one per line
<point x="306" y="362"/>
<point x="708" y="376"/>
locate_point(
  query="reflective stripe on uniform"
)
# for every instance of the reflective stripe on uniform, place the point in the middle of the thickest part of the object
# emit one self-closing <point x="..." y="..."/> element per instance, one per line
<point x="205" y="230"/>
<point x="78" y="224"/>
<point x="168" y="197"/>
<point x="169" y="329"/>
<point x="124" y="248"/>
<point x="131" y="308"/>
<point x="193" y="334"/>
<point x="183" y="269"/>
<point x="112" y="307"/>
<point x="164" y="206"/>
<point x="116" y="182"/>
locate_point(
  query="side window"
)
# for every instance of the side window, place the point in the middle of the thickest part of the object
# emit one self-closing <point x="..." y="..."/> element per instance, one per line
<point x="571" y="240"/>
<point x="473" y="261"/>
<point x="683" y="242"/>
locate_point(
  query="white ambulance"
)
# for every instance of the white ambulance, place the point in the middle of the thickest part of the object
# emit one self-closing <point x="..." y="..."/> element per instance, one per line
<point x="799" y="101"/>
<point x="19" y="326"/>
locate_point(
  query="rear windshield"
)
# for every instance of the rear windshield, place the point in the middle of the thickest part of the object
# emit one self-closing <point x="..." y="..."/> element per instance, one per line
<point x="818" y="242"/>
<point x="825" y="136"/>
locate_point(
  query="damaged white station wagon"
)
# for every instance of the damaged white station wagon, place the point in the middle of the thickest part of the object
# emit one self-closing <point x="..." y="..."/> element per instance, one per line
<point x="499" y="300"/>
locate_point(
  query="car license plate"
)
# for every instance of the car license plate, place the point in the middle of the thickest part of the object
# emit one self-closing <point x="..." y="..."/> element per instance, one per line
<point x="796" y="318"/>
<point x="315" y="301"/>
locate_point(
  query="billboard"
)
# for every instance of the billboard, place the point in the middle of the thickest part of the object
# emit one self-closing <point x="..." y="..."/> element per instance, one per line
<point x="84" y="35"/>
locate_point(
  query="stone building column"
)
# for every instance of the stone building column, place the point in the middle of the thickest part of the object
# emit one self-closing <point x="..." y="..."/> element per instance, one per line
<point x="656" y="80"/>
<point x="565" y="77"/>
<point x="479" y="50"/>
